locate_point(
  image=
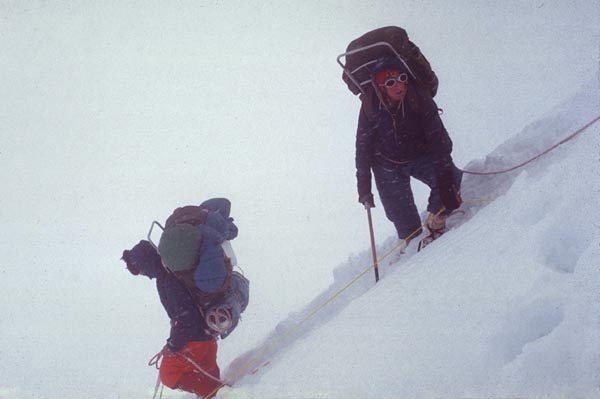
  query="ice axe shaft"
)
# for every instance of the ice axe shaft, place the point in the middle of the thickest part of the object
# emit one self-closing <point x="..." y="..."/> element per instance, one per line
<point x="373" y="250"/>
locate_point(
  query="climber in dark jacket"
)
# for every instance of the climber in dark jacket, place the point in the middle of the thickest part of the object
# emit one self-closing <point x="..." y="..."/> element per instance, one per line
<point x="400" y="135"/>
<point x="189" y="345"/>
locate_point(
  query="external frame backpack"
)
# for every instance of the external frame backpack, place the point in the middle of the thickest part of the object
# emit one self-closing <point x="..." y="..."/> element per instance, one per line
<point x="363" y="53"/>
<point x="192" y="247"/>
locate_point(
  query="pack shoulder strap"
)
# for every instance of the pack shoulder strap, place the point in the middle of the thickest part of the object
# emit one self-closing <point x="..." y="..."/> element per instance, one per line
<point x="367" y="106"/>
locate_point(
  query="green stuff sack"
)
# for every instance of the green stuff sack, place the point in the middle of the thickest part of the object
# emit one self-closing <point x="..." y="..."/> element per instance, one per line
<point x="179" y="247"/>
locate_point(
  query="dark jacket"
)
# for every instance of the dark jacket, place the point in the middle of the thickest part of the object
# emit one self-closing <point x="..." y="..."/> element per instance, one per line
<point x="187" y="324"/>
<point x="392" y="137"/>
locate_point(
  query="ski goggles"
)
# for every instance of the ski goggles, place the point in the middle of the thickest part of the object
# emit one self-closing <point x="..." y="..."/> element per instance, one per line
<point x="391" y="82"/>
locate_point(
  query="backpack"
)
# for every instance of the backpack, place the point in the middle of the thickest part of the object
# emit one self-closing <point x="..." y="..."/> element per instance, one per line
<point x="363" y="52"/>
<point x="192" y="247"/>
<point x="224" y="314"/>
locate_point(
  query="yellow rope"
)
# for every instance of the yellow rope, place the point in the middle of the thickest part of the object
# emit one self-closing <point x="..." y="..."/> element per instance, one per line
<point x="281" y="337"/>
<point x="405" y="240"/>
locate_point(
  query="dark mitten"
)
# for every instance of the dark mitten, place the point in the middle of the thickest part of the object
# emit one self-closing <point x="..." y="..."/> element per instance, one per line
<point x="449" y="194"/>
<point x="367" y="200"/>
<point x="130" y="266"/>
<point x="143" y="259"/>
<point x="363" y="180"/>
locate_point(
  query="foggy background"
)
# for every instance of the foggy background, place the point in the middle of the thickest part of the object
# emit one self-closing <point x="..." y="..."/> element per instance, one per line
<point x="112" y="114"/>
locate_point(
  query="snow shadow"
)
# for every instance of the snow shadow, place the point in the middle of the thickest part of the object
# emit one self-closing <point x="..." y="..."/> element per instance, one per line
<point x="525" y="325"/>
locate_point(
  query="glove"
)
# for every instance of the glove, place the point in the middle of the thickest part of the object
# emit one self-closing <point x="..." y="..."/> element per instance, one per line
<point x="142" y="259"/>
<point x="449" y="193"/>
<point x="367" y="200"/>
<point x="363" y="186"/>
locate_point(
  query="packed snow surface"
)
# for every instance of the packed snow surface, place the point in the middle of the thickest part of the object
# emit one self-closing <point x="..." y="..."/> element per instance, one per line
<point x="114" y="113"/>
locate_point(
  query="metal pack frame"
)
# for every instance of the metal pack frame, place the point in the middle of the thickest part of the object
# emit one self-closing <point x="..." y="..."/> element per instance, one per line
<point x="351" y="73"/>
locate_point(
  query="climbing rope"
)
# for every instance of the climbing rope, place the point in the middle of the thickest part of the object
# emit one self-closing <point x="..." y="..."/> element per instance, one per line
<point x="159" y="387"/>
<point x="570" y="137"/>
<point x="156" y="359"/>
<point x="200" y="369"/>
<point x="156" y="362"/>
<point x="258" y="356"/>
<point x="255" y="358"/>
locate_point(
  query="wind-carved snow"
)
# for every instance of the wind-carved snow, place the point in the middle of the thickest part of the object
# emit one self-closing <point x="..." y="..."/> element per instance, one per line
<point x="526" y="324"/>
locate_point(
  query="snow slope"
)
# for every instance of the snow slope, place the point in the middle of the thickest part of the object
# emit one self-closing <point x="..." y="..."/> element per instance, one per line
<point x="113" y="113"/>
<point x="504" y="306"/>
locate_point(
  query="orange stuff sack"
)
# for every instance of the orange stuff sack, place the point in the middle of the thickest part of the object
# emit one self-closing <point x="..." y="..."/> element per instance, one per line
<point x="177" y="372"/>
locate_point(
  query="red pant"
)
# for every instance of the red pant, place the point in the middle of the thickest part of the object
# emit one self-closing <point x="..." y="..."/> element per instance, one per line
<point x="178" y="370"/>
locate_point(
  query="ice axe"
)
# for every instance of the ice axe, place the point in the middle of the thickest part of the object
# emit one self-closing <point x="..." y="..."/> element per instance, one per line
<point x="373" y="250"/>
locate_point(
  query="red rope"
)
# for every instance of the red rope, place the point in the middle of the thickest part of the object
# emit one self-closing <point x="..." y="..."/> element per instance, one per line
<point x="571" y="136"/>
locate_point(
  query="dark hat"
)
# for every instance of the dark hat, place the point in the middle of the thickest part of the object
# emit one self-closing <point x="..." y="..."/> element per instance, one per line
<point x="386" y="67"/>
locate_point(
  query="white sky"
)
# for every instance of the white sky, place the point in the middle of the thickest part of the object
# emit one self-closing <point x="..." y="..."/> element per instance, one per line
<point x="113" y="114"/>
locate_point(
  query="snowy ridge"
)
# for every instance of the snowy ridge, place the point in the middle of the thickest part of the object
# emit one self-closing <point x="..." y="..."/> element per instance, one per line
<point x="537" y="250"/>
<point x="533" y="140"/>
